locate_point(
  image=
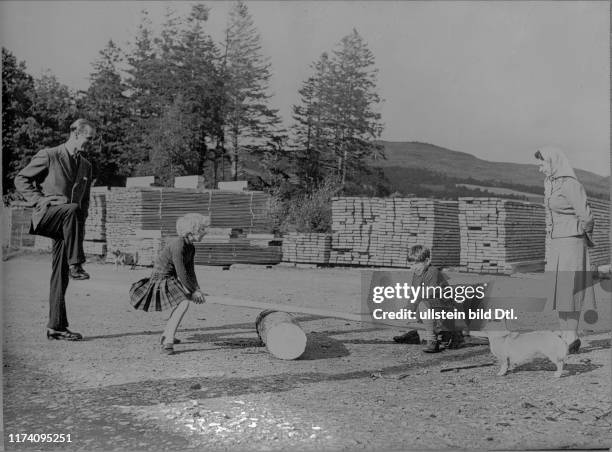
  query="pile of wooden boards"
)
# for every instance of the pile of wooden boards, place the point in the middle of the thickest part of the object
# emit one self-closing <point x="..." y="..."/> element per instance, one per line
<point x="380" y="231"/>
<point x="18" y="227"/>
<point x="95" y="224"/>
<point x="600" y="253"/>
<point x="308" y="248"/>
<point x="497" y="234"/>
<point x="134" y="215"/>
<point x="238" y="251"/>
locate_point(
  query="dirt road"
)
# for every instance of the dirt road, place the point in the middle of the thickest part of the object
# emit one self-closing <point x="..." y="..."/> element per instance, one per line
<point x="353" y="388"/>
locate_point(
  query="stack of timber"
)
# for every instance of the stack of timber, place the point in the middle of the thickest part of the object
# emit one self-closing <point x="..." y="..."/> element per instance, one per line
<point x="91" y="248"/>
<point x="380" y="231"/>
<point x="600" y="253"/>
<point x="309" y="248"/>
<point x="236" y="251"/>
<point x="20" y="218"/>
<point x="95" y="224"/>
<point x="42" y="243"/>
<point x="227" y="246"/>
<point x="498" y="235"/>
<point x="132" y="212"/>
<point x="147" y="247"/>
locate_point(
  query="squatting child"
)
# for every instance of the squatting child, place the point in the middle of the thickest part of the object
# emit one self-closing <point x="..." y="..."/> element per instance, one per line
<point x="173" y="283"/>
<point x="429" y="275"/>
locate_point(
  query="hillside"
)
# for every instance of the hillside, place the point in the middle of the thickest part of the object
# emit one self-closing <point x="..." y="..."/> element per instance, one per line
<point x="461" y="165"/>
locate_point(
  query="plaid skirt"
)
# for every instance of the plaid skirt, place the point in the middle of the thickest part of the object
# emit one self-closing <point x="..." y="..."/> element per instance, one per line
<point x="157" y="293"/>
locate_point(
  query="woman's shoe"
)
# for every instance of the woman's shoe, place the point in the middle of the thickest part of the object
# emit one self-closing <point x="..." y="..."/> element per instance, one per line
<point x="65" y="335"/>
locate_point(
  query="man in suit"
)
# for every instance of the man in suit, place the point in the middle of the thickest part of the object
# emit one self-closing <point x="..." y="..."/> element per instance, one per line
<point x="56" y="183"/>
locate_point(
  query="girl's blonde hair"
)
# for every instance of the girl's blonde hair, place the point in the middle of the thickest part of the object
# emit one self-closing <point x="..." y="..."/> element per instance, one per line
<point x="191" y="223"/>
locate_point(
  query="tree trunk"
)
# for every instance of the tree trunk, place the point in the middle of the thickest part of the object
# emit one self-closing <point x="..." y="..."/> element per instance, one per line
<point x="234" y="157"/>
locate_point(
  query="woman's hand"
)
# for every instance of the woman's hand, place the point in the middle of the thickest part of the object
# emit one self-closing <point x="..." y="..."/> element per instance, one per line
<point x="198" y="297"/>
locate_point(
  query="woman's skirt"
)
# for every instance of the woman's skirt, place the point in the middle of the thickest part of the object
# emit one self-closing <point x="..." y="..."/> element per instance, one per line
<point x="157" y="293"/>
<point x="568" y="271"/>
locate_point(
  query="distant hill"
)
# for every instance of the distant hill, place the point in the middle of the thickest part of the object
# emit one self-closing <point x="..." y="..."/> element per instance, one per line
<point x="461" y="166"/>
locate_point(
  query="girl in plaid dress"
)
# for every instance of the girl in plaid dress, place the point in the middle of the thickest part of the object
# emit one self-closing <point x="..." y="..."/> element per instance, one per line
<point x="173" y="283"/>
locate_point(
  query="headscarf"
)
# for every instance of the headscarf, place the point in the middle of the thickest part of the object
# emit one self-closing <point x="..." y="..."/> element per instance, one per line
<point x="559" y="166"/>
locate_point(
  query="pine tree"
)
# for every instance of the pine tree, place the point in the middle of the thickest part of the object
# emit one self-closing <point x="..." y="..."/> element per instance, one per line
<point x="313" y="152"/>
<point x="248" y="120"/>
<point x="17" y="93"/>
<point x="357" y="124"/>
<point x="105" y="104"/>
<point x="336" y="123"/>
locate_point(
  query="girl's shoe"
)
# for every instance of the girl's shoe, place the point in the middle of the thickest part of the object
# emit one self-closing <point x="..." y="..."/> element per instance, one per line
<point x="167" y="349"/>
<point x="174" y="341"/>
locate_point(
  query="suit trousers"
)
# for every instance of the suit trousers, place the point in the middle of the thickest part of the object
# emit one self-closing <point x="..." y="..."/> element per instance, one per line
<point x="64" y="224"/>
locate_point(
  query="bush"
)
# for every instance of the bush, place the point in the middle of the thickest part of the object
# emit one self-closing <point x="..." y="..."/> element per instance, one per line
<point x="304" y="212"/>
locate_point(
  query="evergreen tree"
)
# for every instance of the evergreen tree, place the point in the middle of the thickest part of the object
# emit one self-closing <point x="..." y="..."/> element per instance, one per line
<point x="105" y="104"/>
<point x="313" y="142"/>
<point x="336" y="123"/>
<point x="17" y="93"/>
<point x="248" y="120"/>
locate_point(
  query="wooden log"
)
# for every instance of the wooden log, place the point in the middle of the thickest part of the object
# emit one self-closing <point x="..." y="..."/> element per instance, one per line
<point x="281" y="334"/>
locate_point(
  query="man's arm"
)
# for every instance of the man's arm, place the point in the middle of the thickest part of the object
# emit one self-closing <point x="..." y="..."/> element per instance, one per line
<point x="28" y="180"/>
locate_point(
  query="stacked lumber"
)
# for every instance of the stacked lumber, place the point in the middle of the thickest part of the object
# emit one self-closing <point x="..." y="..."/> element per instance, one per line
<point x="310" y="248"/>
<point x="498" y="234"/>
<point x="381" y="231"/>
<point x="157" y="209"/>
<point x="19" y="230"/>
<point x="239" y="210"/>
<point x="92" y="248"/>
<point x="95" y="224"/>
<point x="42" y="243"/>
<point x="147" y="248"/>
<point x="239" y="251"/>
<point x="600" y="253"/>
<point x="162" y="207"/>
<point x="124" y="216"/>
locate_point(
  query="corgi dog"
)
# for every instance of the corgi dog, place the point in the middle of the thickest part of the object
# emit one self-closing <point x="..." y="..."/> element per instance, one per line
<point x="124" y="259"/>
<point x="512" y="348"/>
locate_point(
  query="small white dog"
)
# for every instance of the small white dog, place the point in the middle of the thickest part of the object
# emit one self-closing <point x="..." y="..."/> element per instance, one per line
<point x="513" y="348"/>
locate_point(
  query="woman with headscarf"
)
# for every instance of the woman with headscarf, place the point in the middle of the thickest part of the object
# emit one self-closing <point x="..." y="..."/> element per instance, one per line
<point x="569" y="225"/>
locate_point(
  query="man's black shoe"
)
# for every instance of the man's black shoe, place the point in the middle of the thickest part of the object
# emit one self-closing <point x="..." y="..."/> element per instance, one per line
<point x="77" y="272"/>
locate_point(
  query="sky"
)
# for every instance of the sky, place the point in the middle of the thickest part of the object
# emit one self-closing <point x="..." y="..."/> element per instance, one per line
<point x="494" y="79"/>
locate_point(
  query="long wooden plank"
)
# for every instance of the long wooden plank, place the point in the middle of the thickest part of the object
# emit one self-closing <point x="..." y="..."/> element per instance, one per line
<point x="529" y="304"/>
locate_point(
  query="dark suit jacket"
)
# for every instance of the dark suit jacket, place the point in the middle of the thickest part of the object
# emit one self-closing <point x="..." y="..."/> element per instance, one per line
<point x="50" y="173"/>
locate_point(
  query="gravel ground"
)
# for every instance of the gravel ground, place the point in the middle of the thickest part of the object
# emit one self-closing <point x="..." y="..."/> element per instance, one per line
<point x="352" y="389"/>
